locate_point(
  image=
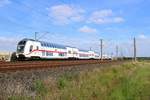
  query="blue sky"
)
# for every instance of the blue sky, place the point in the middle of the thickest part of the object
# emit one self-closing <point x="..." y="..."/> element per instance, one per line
<point x="80" y="23"/>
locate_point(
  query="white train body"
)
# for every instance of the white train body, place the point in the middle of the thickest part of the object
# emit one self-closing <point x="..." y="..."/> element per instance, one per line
<point x="28" y="48"/>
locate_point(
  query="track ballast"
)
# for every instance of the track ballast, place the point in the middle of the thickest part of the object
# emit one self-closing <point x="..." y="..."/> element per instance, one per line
<point x="27" y="65"/>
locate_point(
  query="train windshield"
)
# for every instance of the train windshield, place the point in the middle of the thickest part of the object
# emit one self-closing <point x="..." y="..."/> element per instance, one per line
<point x="20" y="47"/>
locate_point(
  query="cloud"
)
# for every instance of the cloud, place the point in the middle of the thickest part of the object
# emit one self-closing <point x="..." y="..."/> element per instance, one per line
<point x="86" y="29"/>
<point x="104" y="17"/>
<point x="8" y="44"/>
<point x="142" y="36"/>
<point x="6" y="40"/>
<point x="4" y="2"/>
<point x="64" y="14"/>
<point x="118" y="20"/>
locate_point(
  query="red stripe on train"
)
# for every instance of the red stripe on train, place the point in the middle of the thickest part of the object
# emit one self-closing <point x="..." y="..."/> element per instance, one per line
<point x="46" y="51"/>
<point x="55" y="52"/>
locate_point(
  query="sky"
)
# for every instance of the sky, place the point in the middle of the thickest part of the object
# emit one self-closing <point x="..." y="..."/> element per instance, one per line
<point x="78" y="23"/>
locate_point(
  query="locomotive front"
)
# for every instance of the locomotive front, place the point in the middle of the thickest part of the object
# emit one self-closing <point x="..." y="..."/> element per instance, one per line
<point x="21" y="49"/>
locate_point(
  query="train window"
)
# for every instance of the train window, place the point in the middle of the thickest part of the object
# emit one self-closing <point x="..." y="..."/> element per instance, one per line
<point x="43" y="53"/>
<point x="37" y="48"/>
<point x="69" y="52"/>
<point x="61" y="54"/>
<point x="83" y="55"/>
<point x="52" y="46"/>
<point x="49" y="54"/>
<point x="74" y="52"/>
<point x="22" y="43"/>
<point x="44" y="44"/>
<point x="48" y="45"/>
<point x="31" y="48"/>
<point x="20" y="48"/>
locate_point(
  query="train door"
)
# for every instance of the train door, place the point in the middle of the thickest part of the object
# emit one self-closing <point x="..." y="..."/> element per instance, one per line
<point x="34" y="49"/>
<point x="72" y="52"/>
<point x="69" y="52"/>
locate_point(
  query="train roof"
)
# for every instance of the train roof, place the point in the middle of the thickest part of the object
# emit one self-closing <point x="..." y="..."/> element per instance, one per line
<point x="54" y="45"/>
<point x="47" y="44"/>
<point x="83" y="50"/>
<point x="26" y="39"/>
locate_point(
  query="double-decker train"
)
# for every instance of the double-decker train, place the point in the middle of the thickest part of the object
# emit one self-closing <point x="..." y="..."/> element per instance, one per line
<point x="29" y="48"/>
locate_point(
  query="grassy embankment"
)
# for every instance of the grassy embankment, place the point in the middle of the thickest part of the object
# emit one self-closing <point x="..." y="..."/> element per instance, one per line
<point x="129" y="81"/>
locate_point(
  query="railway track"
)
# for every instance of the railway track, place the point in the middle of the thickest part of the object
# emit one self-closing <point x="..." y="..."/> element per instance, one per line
<point x="26" y="65"/>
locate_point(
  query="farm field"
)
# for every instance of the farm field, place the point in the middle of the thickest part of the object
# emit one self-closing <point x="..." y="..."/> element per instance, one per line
<point x="128" y="81"/>
<point x="4" y="55"/>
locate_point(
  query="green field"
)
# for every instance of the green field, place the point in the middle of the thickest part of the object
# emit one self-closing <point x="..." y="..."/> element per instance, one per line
<point x="130" y="81"/>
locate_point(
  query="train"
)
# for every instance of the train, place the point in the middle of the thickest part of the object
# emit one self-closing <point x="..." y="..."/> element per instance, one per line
<point x="31" y="49"/>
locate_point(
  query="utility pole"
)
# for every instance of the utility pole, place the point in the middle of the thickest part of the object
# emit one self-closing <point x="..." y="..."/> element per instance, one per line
<point x="117" y="50"/>
<point x="111" y="55"/>
<point x="135" y="49"/>
<point x="35" y="36"/>
<point x="90" y="48"/>
<point x="101" y="48"/>
<point x="121" y="54"/>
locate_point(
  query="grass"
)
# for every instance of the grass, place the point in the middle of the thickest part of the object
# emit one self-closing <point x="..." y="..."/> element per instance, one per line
<point x="130" y="81"/>
<point x="19" y="98"/>
<point x="40" y="88"/>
